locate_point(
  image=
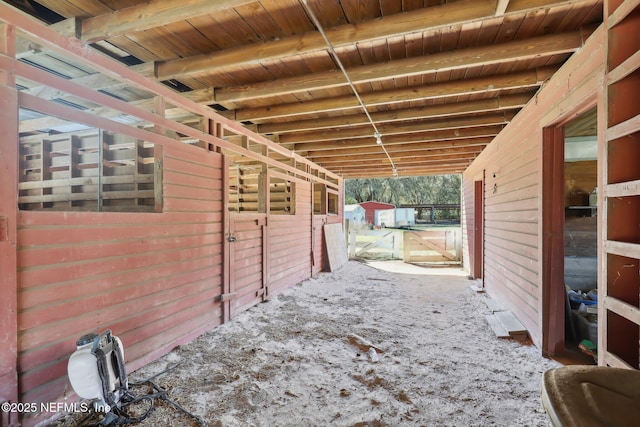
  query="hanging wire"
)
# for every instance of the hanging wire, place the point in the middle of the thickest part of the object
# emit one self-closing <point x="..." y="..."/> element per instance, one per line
<point x="376" y="133"/>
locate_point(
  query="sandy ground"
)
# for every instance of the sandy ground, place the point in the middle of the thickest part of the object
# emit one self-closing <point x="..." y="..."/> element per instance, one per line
<point x="304" y="359"/>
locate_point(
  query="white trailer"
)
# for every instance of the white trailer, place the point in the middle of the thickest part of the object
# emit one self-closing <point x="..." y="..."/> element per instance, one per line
<point x="399" y="217"/>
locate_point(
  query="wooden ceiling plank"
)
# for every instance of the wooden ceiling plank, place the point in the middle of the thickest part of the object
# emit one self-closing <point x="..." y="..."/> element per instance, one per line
<point x="148" y="15"/>
<point x="401" y="155"/>
<point x="439" y="139"/>
<point x="403" y="172"/>
<point x="400" y="147"/>
<point x="397" y="128"/>
<point x="353" y="168"/>
<point x="501" y="102"/>
<point x="522" y="80"/>
<point x="448" y="164"/>
<point x="430" y="18"/>
<point x="342" y="36"/>
<point x="460" y="59"/>
<point x="70" y="9"/>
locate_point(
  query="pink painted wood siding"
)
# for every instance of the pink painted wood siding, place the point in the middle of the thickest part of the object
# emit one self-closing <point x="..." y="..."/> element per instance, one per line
<point x="152" y="278"/>
<point x="290" y="243"/>
<point x="155" y="279"/>
<point x="513" y="165"/>
<point x="248" y="270"/>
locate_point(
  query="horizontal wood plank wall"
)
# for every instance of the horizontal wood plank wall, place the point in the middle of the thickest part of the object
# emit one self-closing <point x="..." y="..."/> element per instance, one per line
<point x="513" y="165"/>
<point x="153" y="278"/>
<point x="247" y="254"/>
<point x="289" y="254"/>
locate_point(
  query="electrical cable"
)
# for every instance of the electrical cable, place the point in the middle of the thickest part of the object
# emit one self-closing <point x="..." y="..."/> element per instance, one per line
<point x="376" y="134"/>
<point x="120" y="417"/>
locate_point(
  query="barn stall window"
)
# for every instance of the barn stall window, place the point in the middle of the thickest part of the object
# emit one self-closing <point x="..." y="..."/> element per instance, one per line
<point x="325" y="199"/>
<point x="251" y="187"/>
<point x="246" y="186"/>
<point x="76" y="168"/>
<point x="319" y="198"/>
<point x="332" y="202"/>
<point x="281" y="197"/>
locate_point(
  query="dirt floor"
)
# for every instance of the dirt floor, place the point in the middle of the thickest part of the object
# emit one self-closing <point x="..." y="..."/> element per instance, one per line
<point x="375" y="344"/>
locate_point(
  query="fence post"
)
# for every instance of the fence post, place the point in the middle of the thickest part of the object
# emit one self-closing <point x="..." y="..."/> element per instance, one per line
<point x="406" y="238"/>
<point x="352" y="243"/>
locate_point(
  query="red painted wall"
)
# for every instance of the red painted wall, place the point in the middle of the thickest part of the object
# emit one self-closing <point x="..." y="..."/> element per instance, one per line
<point x="152" y="278"/>
<point x="370" y="209"/>
<point x="513" y="199"/>
<point x="290" y="243"/>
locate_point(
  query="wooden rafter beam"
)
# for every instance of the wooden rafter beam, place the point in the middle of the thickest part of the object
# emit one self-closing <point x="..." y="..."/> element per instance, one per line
<point x="384" y="170"/>
<point x="525" y="80"/>
<point x="149" y="15"/>
<point x="468" y="152"/>
<point x="430" y="18"/>
<point x="345" y="35"/>
<point x="407" y="170"/>
<point x="497" y="118"/>
<point x="451" y="135"/>
<point x="401" y="172"/>
<point x="439" y="146"/>
<point x="503" y="102"/>
<point x="518" y="50"/>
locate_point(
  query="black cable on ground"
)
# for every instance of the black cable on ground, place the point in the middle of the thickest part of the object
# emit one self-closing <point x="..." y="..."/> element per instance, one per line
<point x="120" y="417"/>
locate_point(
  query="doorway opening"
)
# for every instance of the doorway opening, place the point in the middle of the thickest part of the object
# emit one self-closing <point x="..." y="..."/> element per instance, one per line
<point x="570" y="263"/>
<point x="581" y="232"/>
<point x="478" y="231"/>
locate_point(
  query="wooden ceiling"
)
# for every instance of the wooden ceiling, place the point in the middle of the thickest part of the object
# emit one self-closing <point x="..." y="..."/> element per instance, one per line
<point x="438" y="78"/>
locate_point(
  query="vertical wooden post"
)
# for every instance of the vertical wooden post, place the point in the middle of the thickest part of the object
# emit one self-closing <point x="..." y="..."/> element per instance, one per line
<point x="45" y="171"/>
<point x="265" y="259"/>
<point x="226" y="245"/>
<point x="619" y="190"/>
<point x="478" y="229"/>
<point x="159" y="109"/>
<point x="8" y="229"/>
<point x="158" y="191"/>
<point x="74" y="162"/>
<point x="353" y="241"/>
<point x="553" y="290"/>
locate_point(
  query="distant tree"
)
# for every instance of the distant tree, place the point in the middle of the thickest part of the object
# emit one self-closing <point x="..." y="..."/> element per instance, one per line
<point x="440" y="189"/>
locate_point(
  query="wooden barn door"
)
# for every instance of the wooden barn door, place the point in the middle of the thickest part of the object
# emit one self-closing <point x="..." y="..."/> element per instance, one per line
<point x="247" y="261"/>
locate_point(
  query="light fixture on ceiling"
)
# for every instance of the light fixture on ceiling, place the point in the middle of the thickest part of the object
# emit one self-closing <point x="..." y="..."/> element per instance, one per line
<point x="378" y="137"/>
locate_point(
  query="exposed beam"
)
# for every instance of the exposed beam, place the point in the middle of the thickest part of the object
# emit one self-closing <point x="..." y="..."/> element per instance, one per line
<point x="409" y="165"/>
<point x="409" y="147"/>
<point x="398" y="24"/>
<point x="523" y="80"/>
<point x="27" y="47"/>
<point x="424" y="154"/>
<point x="149" y="15"/>
<point x="368" y="171"/>
<point x="501" y="102"/>
<point x="489" y="119"/>
<point x="460" y="165"/>
<point x="402" y="172"/>
<point x="518" y="50"/>
<point x="431" y="18"/>
<point x="416" y="137"/>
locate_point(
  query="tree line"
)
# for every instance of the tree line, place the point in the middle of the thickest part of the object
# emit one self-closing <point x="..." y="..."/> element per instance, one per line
<point x="435" y="189"/>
